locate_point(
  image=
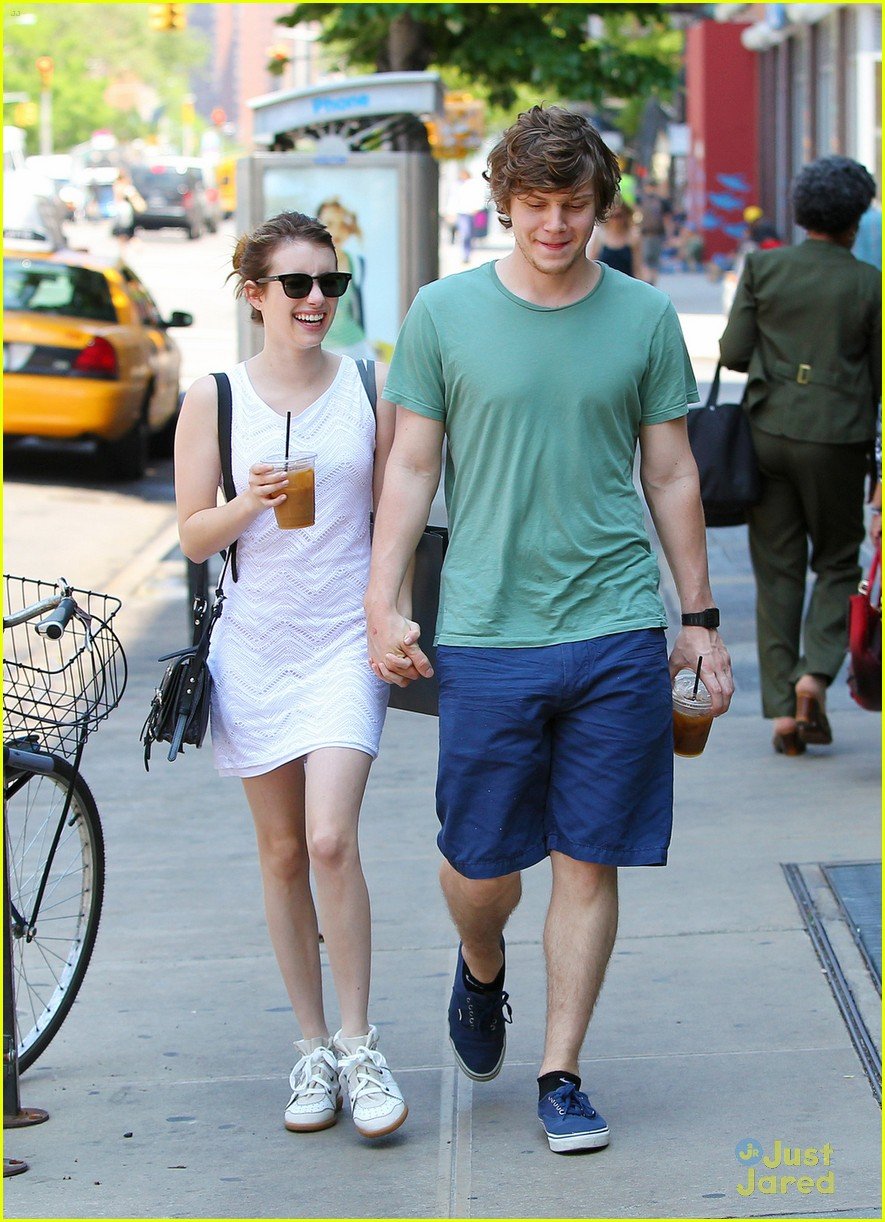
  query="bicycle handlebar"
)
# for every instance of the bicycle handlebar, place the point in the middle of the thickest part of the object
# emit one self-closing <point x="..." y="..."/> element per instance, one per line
<point x="28" y="613"/>
<point x="55" y="623"/>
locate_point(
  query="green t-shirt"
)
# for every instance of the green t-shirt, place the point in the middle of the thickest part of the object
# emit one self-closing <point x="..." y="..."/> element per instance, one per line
<point x="542" y="409"/>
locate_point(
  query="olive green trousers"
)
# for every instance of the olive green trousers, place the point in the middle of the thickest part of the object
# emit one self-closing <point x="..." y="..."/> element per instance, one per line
<point x="811" y="513"/>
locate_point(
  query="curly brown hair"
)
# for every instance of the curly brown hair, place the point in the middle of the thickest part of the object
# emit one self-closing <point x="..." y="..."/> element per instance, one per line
<point x="254" y="251"/>
<point x="551" y="149"/>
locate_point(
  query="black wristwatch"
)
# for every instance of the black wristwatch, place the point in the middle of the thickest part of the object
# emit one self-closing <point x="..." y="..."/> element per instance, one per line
<point x="701" y="619"/>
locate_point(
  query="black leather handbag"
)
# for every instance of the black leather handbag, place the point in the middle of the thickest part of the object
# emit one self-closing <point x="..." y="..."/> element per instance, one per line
<point x="722" y="444"/>
<point x="179" y="712"/>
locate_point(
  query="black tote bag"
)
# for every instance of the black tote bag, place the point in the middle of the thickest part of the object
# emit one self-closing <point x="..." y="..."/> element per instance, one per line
<point x="722" y="444"/>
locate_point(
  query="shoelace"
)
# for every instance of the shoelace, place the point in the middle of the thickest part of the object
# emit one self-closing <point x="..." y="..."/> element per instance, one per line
<point x="569" y="1101"/>
<point x="484" y="1014"/>
<point x="316" y="1077"/>
<point x="367" y="1066"/>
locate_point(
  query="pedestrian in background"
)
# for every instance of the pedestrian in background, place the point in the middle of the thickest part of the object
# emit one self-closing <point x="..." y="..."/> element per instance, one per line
<point x="654" y="213"/>
<point x="542" y="371"/>
<point x="128" y="202"/>
<point x="761" y="233"/>
<point x="296" y="712"/>
<point x="616" y="243"/>
<point x="868" y="243"/>
<point x="469" y="198"/>
<point x="806" y="327"/>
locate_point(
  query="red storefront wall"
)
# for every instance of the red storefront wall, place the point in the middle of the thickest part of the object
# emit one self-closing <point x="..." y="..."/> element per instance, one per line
<point x="721" y="107"/>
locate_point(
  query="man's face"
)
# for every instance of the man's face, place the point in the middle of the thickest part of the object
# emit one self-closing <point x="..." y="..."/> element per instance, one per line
<point x="552" y="228"/>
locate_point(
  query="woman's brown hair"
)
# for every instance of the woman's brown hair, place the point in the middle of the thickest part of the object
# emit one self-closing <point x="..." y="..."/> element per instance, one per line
<point x="254" y="251"/>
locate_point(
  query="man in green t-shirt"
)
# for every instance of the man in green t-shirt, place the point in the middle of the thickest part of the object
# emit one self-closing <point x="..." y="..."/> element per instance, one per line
<point x="543" y="372"/>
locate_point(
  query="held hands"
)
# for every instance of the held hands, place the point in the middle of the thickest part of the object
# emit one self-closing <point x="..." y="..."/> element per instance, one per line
<point x="394" y="653"/>
<point x="265" y="486"/>
<point x="694" y="643"/>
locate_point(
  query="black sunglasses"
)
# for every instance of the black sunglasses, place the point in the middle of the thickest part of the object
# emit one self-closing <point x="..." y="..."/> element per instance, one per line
<point x="298" y="284"/>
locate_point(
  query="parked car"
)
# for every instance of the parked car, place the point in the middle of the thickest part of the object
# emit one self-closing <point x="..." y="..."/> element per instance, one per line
<point x="30" y="213"/>
<point x="207" y="179"/>
<point x="97" y="184"/>
<point x="174" y="198"/>
<point x="87" y="357"/>
<point x="59" y="168"/>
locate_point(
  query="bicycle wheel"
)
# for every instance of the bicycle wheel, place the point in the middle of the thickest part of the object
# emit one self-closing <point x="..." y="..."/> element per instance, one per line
<point x="49" y="966"/>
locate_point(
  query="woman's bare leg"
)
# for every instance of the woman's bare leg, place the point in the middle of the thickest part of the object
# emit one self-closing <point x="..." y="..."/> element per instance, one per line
<point x="277" y="803"/>
<point x="335" y="781"/>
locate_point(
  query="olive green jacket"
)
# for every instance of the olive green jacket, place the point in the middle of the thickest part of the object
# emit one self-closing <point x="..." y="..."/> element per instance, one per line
<point x="806" y="325"/>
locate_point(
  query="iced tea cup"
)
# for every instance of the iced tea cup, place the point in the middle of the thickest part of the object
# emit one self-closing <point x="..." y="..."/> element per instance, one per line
<point x="692" y="715"/>
<point x="299" y="507"/>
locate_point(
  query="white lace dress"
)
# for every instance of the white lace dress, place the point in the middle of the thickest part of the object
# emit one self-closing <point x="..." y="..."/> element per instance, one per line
<point x="288" y="657"/>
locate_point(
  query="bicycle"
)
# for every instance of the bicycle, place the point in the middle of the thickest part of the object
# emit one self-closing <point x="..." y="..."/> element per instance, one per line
<point x="62" y="676"/>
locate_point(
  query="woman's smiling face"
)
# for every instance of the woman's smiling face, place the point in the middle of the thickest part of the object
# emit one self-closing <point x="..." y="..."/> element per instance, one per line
<point x="306" y="320"/>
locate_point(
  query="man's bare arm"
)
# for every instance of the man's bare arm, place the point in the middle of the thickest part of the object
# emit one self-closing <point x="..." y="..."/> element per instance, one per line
<point x="411" y="478"/>
<point x="669" y="479"/>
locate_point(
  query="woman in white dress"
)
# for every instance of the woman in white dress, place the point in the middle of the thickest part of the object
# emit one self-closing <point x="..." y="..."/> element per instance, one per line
<point x="296" y="710"/>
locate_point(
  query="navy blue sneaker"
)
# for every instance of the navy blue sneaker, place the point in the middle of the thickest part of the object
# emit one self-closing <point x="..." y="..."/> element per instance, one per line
<point x="476" y="1027"/>
<point x="571" y="1122"/>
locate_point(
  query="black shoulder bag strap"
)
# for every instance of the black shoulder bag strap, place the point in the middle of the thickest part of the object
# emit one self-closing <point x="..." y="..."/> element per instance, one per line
<point x="713" y="396"/>
<point x="225" y="412"/>
<point x="366" y="371"/>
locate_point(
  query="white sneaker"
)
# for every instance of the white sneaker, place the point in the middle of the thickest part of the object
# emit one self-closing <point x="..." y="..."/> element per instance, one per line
<point x="316" y="1093"/>
<point x="376" y="1102"/>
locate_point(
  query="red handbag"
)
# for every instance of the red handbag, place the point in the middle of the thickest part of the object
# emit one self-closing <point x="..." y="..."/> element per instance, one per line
<point x="865" y="639"/>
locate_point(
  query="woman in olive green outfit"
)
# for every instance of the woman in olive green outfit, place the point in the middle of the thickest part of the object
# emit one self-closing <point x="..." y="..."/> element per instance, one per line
<point x="806" y="326"/>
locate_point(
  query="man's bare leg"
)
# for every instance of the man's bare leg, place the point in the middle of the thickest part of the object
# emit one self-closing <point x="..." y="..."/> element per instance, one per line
<point x="480" y="908"/>
<point x="579" y="934"/>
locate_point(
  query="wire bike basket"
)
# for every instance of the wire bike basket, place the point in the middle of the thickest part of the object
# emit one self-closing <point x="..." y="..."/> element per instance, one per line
<point x="59" y="690"/>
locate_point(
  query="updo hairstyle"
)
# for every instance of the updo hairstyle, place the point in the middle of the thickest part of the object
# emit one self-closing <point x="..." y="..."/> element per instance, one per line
<point x="254" y="251"/>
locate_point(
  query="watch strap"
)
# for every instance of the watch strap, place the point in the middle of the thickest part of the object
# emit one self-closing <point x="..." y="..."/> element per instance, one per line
<point x="701" y="619"/>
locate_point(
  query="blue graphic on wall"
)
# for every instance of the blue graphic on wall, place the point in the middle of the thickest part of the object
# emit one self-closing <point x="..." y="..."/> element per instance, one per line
<point x="724" y="212"/>
<point x="733" y="182"/>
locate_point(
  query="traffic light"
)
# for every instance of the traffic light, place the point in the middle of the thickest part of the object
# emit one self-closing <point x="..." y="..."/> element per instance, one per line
<point x="45" y="68"/>
<point x="460" y="130"/>
<point x="25" y="114"/>
<point x="278" y="58"/>
<point x="166" y="17"/>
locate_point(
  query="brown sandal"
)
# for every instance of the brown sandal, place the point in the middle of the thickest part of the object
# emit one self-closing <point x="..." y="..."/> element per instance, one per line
<point x="788" y="744"/>
<point x="812" y="725"/>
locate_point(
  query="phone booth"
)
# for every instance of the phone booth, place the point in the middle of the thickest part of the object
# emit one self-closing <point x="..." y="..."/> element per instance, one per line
<point x="354" y="154"/>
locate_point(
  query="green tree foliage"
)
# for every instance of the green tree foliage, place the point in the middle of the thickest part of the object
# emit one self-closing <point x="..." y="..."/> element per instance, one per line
<point x="500" y="49"/>
<point x="93" y="45"/>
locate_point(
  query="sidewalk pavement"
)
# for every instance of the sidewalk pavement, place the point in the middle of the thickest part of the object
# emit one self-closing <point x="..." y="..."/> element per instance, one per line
<point x="716" y="1028"/>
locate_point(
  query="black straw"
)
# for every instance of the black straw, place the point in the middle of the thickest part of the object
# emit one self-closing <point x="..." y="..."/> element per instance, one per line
<point x="288" y="429"/>
<point x="697" y="680"/>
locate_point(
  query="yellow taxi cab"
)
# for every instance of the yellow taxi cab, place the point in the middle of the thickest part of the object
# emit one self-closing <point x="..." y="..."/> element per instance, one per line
<point x="87" y="357"/>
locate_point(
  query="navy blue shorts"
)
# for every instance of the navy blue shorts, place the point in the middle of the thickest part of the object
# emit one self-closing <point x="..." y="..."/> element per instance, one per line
<point x="566" y="747"/>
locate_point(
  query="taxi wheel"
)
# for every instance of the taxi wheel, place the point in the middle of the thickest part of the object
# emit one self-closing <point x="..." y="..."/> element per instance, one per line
<point x="126" y="459"/>
<point x="162" y="443"/>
